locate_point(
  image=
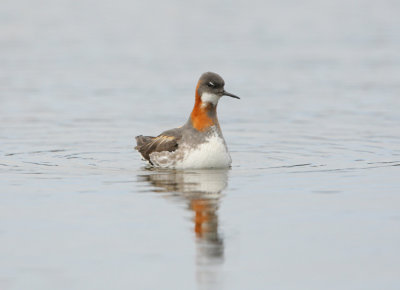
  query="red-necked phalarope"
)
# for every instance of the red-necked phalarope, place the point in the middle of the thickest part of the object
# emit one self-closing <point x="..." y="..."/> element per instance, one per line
<point x="197" y="144"/>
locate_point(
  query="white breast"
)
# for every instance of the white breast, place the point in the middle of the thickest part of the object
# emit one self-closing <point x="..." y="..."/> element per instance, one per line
<point x="213" y="153"/>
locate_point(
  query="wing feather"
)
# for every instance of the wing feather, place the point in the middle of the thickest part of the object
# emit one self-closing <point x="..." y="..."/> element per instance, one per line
<point x="166" y="141"/>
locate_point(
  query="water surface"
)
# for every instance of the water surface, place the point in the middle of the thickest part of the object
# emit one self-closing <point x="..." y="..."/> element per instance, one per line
<point x="312" y="198"/>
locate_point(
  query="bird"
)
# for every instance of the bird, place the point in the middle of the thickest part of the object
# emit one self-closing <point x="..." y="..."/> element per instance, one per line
<point x="199" y="143"/>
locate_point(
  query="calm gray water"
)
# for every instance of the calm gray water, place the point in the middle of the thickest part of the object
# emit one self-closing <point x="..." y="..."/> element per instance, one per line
<point x="312" y="200"/>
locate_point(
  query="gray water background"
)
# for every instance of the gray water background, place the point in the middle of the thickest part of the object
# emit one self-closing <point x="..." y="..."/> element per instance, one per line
<point x="312" y="198"/>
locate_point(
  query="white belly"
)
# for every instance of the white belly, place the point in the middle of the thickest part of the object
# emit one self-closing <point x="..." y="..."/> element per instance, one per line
<point x="210" y="154"/>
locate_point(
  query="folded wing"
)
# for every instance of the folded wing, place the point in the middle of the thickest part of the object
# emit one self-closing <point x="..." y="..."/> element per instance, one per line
<point x="166" y="141"/>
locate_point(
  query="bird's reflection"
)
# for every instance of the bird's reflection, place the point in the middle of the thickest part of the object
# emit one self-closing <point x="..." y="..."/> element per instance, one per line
<point x="201" y="191"/>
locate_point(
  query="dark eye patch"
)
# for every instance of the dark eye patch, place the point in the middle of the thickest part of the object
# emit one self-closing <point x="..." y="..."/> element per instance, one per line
<point x="211" y="85"/>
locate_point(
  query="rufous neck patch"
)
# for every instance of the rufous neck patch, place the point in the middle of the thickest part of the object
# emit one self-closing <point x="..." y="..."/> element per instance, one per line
<point x="199" y="116"/>
<point x="200" y="119"/>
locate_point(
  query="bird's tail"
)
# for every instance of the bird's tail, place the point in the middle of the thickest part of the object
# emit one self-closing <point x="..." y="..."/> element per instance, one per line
<point x="142" y="140"/>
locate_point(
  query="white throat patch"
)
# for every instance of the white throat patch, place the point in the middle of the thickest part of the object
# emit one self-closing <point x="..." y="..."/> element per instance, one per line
<point x="210" y="98"/>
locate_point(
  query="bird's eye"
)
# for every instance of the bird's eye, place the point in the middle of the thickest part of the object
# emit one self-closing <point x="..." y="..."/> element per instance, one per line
<point x="211" y="85"/>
